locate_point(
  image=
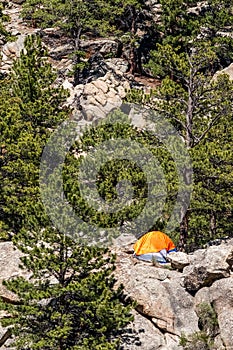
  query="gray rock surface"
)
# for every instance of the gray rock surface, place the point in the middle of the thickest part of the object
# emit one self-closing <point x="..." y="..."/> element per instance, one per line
<point x="220" y="296"/>
<point x="159" y="296"/>
<point x="228" y="70"/>
<point x="18" y="1"/>
<point x="9" y="268"/>
<point x="162" y="298"/>
<point x="178" y="260"/>
<point x="165" y="309"/>
<point x="106" y="47"/>
<point x="10" y="51"/>
<point x="97" y="98"/>
<point x="208" y="266"/>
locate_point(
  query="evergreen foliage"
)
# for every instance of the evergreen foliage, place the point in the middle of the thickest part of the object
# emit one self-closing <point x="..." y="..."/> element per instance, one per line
<point x="4" y="35"/>
<point x="209" y="328"/>
<point x="92" y="18"/>
<point x="30" y="109"/>
<point x="70" y="301"/>
<point x="74" y="18"/>
<point x="184" y="24"/>
<point x="127" y="182"/>
<point x="210" y="214"/>
<point x="198" y="105"/>
<point x="193" y="100"/>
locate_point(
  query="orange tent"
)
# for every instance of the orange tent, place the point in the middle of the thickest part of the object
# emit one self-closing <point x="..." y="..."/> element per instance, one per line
<point x="153" y="242"/>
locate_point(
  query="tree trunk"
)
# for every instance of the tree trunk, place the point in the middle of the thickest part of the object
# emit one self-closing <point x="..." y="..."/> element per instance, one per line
<point x="189" y="120"/>
<point x="182" y="245"/>
<point x="213" y="225"/>
<point x="133" y="55"/>
<point x="5" y="337"/>
<point x="77" y="56"/>
<point x="183" y="234"/>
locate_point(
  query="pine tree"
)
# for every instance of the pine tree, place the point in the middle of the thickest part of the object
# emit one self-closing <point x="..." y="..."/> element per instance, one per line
<point x="4" y="35"/>
<point x="217" y="20"/>
<point x="130" y="193"/>
<point x="183" y="23"/>
<point x="135" y="16"/>
<point x="30" y="109"/>
<point x="211" y="206"/>
<point x="76" y="18"/>
<point x="191" y="99"/>
<point x="70" y="301"/>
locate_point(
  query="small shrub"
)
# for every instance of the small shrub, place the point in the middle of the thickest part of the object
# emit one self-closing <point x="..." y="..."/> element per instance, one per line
<point x="208" y="324"/>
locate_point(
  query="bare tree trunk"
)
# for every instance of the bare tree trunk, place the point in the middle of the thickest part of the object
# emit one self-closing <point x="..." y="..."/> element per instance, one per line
<point x="133" y="55"/>
<point x="5" y="337"/>
<point x="189" y="119"/>
<point x="183" y="233"/>
<point x="77" y="56"/>
<point x="182" y="245"/>
<point x="213" y="225"/>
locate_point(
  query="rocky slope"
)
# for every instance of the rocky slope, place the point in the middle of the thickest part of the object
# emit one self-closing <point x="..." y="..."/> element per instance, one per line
<point x="106" y="82"/>
<point x="104" y="85"/>
<point x="168" y="300"/>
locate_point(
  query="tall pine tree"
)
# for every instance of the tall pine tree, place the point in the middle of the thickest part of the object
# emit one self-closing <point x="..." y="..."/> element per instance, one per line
<point x="189" y="95"/>
<point x="30" y="109"/>
<point x="70" y="300"/>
